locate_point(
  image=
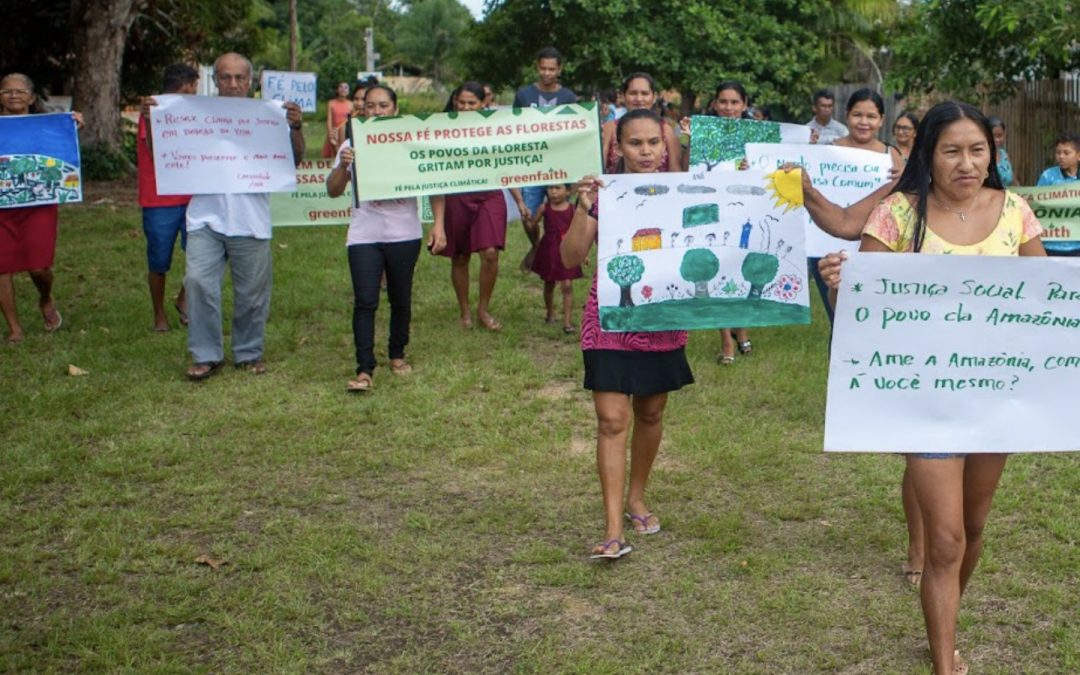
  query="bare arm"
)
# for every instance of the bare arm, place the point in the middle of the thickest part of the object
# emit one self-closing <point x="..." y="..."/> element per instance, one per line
<point x="607" y="137"/>
<point x="339" y="176"/>
<point x="674" y="150"/>
<point x="845" y="222"/>
<point x="437" y="237"/>
<point x="295" y="118"/>
<point x="575" y="245"/>
<point x="1033" y="247"/>
<point x="829" y="265"/>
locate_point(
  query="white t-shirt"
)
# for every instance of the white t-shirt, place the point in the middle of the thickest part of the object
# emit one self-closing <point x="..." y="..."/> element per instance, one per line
<point x="236" y="215"/>
<point x="827" y="133"/>
<point x="382" y="221"/>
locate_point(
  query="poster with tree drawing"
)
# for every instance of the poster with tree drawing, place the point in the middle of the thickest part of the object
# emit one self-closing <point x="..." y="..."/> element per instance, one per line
<point x="720" y="143"/>
<point x="39" y="160"/>
<point x="676" y="252"/>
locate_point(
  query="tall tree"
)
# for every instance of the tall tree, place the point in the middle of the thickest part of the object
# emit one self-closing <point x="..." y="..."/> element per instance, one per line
<point x="972" y="48"/>
<point x="429" y="34"/>
<point x="690" y="45"/>
<point x="99" y="33"/>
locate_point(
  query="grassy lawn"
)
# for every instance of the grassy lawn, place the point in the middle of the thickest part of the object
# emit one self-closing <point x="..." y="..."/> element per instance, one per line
<point x="439" y="524"/>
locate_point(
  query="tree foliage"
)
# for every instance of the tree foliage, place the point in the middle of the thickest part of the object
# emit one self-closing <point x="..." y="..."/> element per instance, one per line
<point x="699" y="266"/>
<point x="626" y="270"/>
<point x="759" y="269"/>
<point x="429" y="34"/>
<point x="688" y="45"/>
<point x="973" y="48"/>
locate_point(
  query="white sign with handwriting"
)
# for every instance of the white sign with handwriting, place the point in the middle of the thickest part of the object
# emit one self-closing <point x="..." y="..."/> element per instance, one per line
<point x="216" y="144"/>
<point x="842" y="175"/>
<point x="954" y="354"/>
<point x="279" y="85"/>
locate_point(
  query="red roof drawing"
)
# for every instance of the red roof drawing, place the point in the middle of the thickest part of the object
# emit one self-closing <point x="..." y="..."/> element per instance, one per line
<point x="648" y="232"/>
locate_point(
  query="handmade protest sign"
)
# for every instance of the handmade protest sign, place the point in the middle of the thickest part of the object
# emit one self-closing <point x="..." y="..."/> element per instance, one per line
<point x="39" y="160"/>
<point x="841" y="175"/>
<point x="943" y="353"/>
<point x="1057" y="207"/>
<point x="277" y="85"/>
<point x="446" y="153"/>
<point x="675" y="252"/>
<point x="309" y="204"/>
<point x="720" y="142"/>
<point x="212" y="144"/>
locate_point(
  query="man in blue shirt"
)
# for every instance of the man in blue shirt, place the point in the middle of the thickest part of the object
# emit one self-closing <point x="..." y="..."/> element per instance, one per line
<point x="1067" y="154"/>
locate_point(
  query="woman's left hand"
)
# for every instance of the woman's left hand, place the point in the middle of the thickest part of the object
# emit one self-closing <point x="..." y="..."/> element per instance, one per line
<point x="77" y="116"/>
<point x="829" y="267"/>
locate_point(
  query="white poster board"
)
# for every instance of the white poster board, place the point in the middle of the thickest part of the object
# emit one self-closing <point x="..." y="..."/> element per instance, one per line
<point x="940" y="354"/>
<point x="675" y="252"/>
<point x="220" y="145"/>
<point x="841" y="175"/>
<point x="300" y="88"/>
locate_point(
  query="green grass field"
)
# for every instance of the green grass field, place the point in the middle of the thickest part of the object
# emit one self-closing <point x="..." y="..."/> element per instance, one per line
<point x="440" y="523"/>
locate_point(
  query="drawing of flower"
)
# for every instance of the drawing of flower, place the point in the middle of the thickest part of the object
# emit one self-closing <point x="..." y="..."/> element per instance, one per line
<point x="646" y="292"/>
<point x="788" y="286"/>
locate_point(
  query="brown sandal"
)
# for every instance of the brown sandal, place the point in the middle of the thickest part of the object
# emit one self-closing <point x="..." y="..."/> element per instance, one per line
<point x="360" y="383"/>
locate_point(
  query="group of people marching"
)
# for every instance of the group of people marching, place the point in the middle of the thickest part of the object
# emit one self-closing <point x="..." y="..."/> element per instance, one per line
<point x="946" y="196"/>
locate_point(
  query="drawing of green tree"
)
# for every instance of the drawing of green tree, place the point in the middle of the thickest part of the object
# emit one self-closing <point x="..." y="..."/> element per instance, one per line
<point x="20" y="166"/>
<point x="626" y="270"/>
<point x="699" y="266"/>
<point x="759" y="269"/>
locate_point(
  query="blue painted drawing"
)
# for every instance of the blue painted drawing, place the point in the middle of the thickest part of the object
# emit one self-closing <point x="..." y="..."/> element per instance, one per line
<point x="39" y="160"/>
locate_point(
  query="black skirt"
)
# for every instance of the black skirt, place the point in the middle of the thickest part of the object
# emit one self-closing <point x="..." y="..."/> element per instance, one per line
<point x="636" y="373"/>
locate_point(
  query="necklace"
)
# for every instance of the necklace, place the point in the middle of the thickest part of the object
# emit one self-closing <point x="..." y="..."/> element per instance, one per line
<point x="961" y="213"/>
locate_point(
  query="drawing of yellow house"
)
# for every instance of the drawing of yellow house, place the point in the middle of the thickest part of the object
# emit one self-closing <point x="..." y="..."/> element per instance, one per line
<point x="646" y="239"/>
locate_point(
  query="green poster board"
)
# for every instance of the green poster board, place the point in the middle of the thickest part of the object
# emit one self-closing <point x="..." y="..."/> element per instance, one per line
<point x="1057" y="207"/>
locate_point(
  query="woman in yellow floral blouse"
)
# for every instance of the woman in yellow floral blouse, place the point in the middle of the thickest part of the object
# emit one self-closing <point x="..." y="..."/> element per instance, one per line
<point x="949" y="200"/>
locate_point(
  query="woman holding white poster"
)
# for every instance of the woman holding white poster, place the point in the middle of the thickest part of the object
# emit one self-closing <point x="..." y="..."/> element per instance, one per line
<point x="949" y="200"/>
<point x="630" y="374"/>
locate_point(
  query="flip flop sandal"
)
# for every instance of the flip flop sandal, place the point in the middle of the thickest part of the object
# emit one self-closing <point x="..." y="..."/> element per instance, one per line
<point x="256" y="367"/>
<point x="607" y="554"/>
<point x="201" y="371"/>
<point x="644" y="522"/>
<point x="725" y="359"/>
<point x="54" y="325"/>
<point x="746" y="348"/>
<point x="492" y="324"/>
<point x="400" y="368"/>
<point x="359" y="384"/>
<point x="569" y="330"/>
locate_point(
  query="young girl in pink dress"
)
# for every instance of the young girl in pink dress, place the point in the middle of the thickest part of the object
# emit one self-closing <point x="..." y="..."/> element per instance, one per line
<point x="556" y="213"/>
<point x="630" y="374"/>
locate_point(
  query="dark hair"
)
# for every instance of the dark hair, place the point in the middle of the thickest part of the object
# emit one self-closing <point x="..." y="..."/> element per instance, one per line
<point x="1068" y="137"/>
<point x="176" y="76"/>
<point x="37" y="106"/>
<point x="913" y="118"/>
<point x="735" y="86"/>
<point x="549" y="53"/>
<point x="637" y="76"/>
<point x="996" y="122"/>
<point x="389" y="92"/>
<point x="917" y="176"/>
<point x="450" y="102"/>
<point x="823" y="94"/>
<point x="866" y="94"/>
<point x="473" y="87"/>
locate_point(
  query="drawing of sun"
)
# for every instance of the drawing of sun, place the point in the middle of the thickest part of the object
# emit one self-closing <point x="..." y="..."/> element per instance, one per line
<point x="786" y="187"/>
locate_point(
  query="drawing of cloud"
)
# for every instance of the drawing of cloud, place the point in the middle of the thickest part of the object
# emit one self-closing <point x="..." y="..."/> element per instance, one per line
<point x="695" y="189"/>
<point x="745" y="190"/>
<point x="651" y="190"/>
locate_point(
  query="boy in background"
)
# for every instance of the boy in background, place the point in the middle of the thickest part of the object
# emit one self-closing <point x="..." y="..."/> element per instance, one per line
<point x="1067" y="154"/>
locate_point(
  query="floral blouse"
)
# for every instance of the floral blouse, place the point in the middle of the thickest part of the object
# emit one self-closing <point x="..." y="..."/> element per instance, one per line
<point x="893" y="224"/>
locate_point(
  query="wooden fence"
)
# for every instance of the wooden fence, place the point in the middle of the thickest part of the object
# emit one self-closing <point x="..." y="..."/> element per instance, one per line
<point x="1034" y="117"/>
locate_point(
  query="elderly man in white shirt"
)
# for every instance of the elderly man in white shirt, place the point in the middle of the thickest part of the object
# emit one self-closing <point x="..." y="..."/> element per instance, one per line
<point x="824" y="129"/>
<point x="231" y="230"/>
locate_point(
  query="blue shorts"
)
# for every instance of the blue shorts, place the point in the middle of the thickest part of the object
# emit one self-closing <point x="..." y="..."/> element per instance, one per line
<point x="939" y="455"/>
<point x="161" y="224"/>
<point x="533" y="197"/>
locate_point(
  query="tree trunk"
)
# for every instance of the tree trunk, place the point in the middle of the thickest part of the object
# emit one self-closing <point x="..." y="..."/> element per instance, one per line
<point x="294" y="35"/>
<point x="624" y="297"/>
<point x="99" y="32"/>
<point x="701" y="289"/>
